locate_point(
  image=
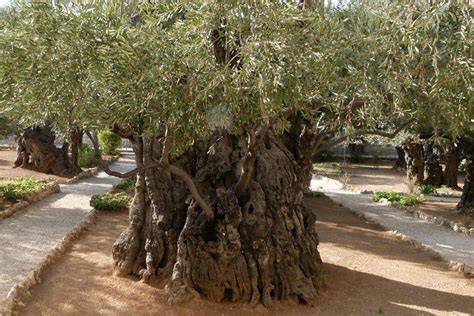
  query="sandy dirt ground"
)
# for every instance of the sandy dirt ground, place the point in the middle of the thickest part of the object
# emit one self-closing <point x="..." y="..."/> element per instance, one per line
<point x="7" y="159"/>
<point x="367" y="272"/>
<point x="381" y="177"/>
<point x="370" y="177"/>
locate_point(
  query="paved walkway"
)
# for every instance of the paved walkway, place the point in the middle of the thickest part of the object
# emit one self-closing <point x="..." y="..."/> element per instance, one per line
<point x="28" y="237"/>
<point x="450" y="245"/>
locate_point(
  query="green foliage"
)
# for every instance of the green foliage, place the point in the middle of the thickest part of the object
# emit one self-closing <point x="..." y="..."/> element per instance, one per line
<point x="127" y="185"/>
<point x="109" y="142"/>
<point x="7" y="127"/>
<point x="428" y="189"/>
<point x="18" y="189"/>
<point x="87" y="156"/>
<point x="85" y="65"/>
<point x="110" y="201"/>
<point x="396" y="198"/>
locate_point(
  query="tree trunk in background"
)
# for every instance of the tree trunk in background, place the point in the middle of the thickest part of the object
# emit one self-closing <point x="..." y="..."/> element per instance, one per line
<point x="76" y="142"/>
<point x="452" y="154"/>
<point x="400" y="164"/>
<point x="433" y="169"/>
<point x="467" y="199"/>
<point x="261" y="246"/>
<point x="414" y="161"/>
<point x="36" y="150"/>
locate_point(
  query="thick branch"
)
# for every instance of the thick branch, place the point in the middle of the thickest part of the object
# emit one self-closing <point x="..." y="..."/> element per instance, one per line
<point x="183" y="175"/>
<point x="342" y="139"/>
<point x="193" y="189"/>
<point x="104" y="165"/>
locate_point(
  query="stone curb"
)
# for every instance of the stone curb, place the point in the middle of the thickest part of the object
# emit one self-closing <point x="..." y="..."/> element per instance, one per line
<point x="22" y="289"/>
<point x="49" y="189"/>
<point x="464" y="269"/>
<point x="438" y="220"/>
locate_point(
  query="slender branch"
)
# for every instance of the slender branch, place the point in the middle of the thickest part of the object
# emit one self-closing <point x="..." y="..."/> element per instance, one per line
<point x="255" y="139"/>
<point x="341" y="139"/>
<point x="180" y="173"/>
<point x="165" y="156"/>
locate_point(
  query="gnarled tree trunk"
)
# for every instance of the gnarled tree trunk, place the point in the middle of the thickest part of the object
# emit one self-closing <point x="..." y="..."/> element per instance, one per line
<point x="36" y="150"/>
<point x="76" y="143"/>
<point x="400" y="164"/>
<point x="261" y="244"/>
<point x="433" y="169"/>
<point x="452" y="155"/>
<point x="414" y="161"/>
<point x="467" y="198"/>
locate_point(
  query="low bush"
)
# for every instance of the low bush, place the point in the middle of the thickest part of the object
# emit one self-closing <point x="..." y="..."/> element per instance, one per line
<point x="17" y="189"/>
<point x="87" y="157"/>
<point x="428" y="189"/>
<point x="110" y="201"/>
<point x="127" y="185"/>
<point x="109" y="142"/>
<point x="404" y="200"/>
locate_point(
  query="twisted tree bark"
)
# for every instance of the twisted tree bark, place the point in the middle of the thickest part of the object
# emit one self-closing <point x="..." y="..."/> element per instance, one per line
<point x="433" y="169"/>
<point x="452" y="154"/>
<point x="414" y="161"/>
<point x="400" y="164"/>
<point x="467" y="198"/>
<point x="36" y="150"/>
<point x="261" y="244"/>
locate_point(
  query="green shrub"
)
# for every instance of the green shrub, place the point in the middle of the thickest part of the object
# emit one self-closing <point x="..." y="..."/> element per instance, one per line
<point x="128" y="185"/>
<point x="428" y="189"/>
<point x="389" y="196"/>
<point x="411" y="200"/>
<point x="109" y="142"/>
<point x="110" y="201"/>
<point x="87" y="157"/>
<point x="404" y="200"/>
<point x="18" y="189"/>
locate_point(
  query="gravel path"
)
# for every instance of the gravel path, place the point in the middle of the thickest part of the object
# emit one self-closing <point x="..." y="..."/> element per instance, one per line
<point x="450" y="245"/>
<point x="27" y="238"/>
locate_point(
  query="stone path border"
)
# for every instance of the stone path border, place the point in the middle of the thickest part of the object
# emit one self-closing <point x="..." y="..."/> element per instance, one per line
<point x="32" y="240"/>
<point x="438" y="220"/>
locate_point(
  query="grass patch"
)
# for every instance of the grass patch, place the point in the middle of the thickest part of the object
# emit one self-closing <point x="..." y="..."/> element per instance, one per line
<point x="110" y="201"/>
<point x="17" y="189"/>
<point x="399" y="199"/>
<point x="127" y="185"/>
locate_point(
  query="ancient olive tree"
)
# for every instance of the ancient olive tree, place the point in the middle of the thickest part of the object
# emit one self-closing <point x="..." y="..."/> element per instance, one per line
<point x="44" y="85"/>
<point x="225" y="104"/>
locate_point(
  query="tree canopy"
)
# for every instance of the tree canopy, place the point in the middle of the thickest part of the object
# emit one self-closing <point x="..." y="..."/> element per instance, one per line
<point x="149" y="66"/>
